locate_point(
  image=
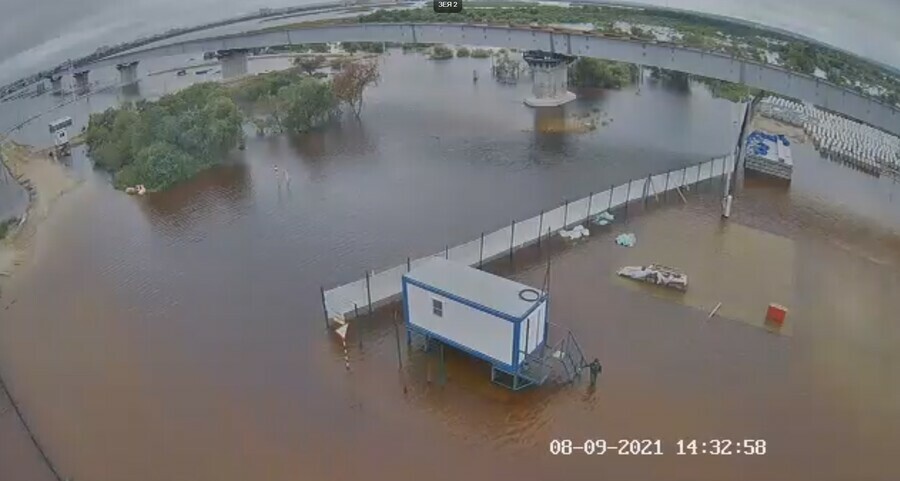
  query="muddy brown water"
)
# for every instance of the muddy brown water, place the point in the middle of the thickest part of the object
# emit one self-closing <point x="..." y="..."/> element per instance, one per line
<point x="180" y="336"/>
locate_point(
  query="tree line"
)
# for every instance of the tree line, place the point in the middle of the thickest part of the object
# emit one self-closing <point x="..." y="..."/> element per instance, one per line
<point x="160" y="143"/>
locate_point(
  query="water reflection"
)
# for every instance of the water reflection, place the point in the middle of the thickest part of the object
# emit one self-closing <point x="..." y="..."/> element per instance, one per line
<point x="131" y="92"/>
<point x="346" y="137"/>
<point x="551" y="129"/>
<point x="222" y="193"/>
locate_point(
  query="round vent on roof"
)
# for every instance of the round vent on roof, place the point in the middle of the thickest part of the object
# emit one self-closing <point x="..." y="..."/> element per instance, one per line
<point x="529" y="295"/>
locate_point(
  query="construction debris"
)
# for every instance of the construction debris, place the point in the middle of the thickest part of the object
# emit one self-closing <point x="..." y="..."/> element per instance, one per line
<point x="714" y="311"/>
<point x="575" y="233"/>
<point x="626" y="240"/>
<point x="656" y="274"/>
<point x="603" y="218"/>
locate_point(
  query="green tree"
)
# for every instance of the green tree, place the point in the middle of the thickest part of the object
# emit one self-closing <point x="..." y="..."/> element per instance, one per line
<point x="440" y="52"/>
<point x="800" y="57"/>
<point x="305" y="105"/>
<point x="597" y="73"/>
<point x="309" y="64"/>
<point x="139" y="143"/>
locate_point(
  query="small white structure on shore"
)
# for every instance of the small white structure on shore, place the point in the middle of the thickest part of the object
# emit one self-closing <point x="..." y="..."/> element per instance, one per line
<point x="59" y="129"/>
<point x="484" y="315"/>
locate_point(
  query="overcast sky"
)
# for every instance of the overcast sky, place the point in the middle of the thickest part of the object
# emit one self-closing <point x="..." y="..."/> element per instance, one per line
<point x="36" y="34"/>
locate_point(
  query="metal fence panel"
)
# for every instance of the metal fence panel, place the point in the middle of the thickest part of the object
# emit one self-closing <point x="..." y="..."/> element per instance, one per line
<point x="553" y="220"/>
<point x="386" y="284"/>
<point x="691" y="174"/>
<point x="657" y="184"/>
<point x="637" y="189"/>
<point x="467" y="253"/>
<point x="526" y="231"/>
<point x="496" y="243"/>
<point x="577" y="211"/>
<point x="340" y="300"/>
<point x="600" y="202"/>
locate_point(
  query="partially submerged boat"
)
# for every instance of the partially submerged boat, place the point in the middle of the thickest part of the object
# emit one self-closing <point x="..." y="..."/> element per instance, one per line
<point x="657" y="274"/>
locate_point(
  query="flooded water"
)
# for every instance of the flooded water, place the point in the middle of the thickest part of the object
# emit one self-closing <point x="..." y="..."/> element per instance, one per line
<point x="180" y="336"/>
<point x="13" y="198"/>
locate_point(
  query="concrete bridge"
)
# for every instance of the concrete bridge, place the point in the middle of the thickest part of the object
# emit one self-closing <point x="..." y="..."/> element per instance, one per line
<point x="577" y="43"/>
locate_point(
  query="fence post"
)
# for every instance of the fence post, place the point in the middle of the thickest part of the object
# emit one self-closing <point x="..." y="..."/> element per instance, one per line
<point x="356" y="315"/>
<point x="566" y="214"/>
<point x="369" y="291"/>
<point x="397" y="337"/>
<point x="324" y="306"/>
<point x="590" y="201"/>
<point x="609" y="204"/>
<point x="666" y="190"/>
<point x="481" y="252"/>
<point x="447" y="252"/>
<point x="683" y="175"/>
<point x="512" y="236"/>
<point x="540" y="228"/>
<point x="646" y="192"/>
<point x="627" y="196"/>
<point x="408" y="265"/>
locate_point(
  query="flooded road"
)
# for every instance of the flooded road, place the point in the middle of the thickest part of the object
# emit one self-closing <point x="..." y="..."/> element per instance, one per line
<point x="180" y="336"/>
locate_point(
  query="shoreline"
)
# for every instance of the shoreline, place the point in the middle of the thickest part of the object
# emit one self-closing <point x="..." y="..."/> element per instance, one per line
<point x="46" y="181"/>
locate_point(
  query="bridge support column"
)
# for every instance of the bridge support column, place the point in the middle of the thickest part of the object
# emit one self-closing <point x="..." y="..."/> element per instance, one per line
<point x="234" y="63"/>
<point x="127" y="72"/>
<point x="56" y="83"/>
<point x="82" y="84"/>
<point x="551" y="79"/>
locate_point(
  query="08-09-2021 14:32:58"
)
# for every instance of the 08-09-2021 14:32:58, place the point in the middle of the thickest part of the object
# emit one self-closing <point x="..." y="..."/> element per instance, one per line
<point x="655" y="447"/>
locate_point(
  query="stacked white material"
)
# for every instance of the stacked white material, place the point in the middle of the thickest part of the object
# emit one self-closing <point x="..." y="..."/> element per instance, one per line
<point x="839" y="138"/>
<point x="769" y="154"/>
<point x="783" y="110"/>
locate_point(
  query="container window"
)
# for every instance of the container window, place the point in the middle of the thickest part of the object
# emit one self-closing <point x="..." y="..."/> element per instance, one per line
<point x="437" y="307"/>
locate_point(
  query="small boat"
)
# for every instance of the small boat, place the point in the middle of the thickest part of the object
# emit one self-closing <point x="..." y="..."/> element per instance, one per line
<point x="656" y="274"/>
<point x="181" y="73"/>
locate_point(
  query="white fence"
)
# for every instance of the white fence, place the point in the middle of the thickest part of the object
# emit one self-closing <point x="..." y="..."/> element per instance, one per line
<point x="375" y="289"/>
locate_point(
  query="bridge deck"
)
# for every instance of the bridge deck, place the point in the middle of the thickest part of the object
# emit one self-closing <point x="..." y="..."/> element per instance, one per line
<point x="764" y="76"/>
<point x="382" y="287"/>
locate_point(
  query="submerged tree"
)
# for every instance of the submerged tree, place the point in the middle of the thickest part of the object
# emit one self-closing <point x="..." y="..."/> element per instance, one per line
<point x="304" y="105"/>
<point x="309" y="64"/>
<point x="350" y="83"/>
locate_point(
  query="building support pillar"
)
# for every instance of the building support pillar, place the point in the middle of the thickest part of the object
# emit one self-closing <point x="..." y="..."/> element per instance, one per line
<point x="234" y="63"/>
<point x="56" y="84"/>
<point x="127" y="72"/>
<point x="551" y="79"/>
<point x="82" y="83"/>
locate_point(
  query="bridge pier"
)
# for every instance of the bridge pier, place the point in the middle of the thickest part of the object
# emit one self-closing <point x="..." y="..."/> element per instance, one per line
<point x="56" y="84"/>
<point x="127" y="72"/>
<point x="551" y="78"/>
<point x="234" y="63"/>
<point x="82" y="84"/>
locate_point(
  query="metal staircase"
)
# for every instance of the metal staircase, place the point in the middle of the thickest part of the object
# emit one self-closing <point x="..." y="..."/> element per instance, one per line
<point x="562" y="360"/>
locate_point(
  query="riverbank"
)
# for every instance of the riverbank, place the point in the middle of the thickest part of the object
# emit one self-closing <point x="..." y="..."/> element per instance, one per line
<point x="46" y="181"/>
